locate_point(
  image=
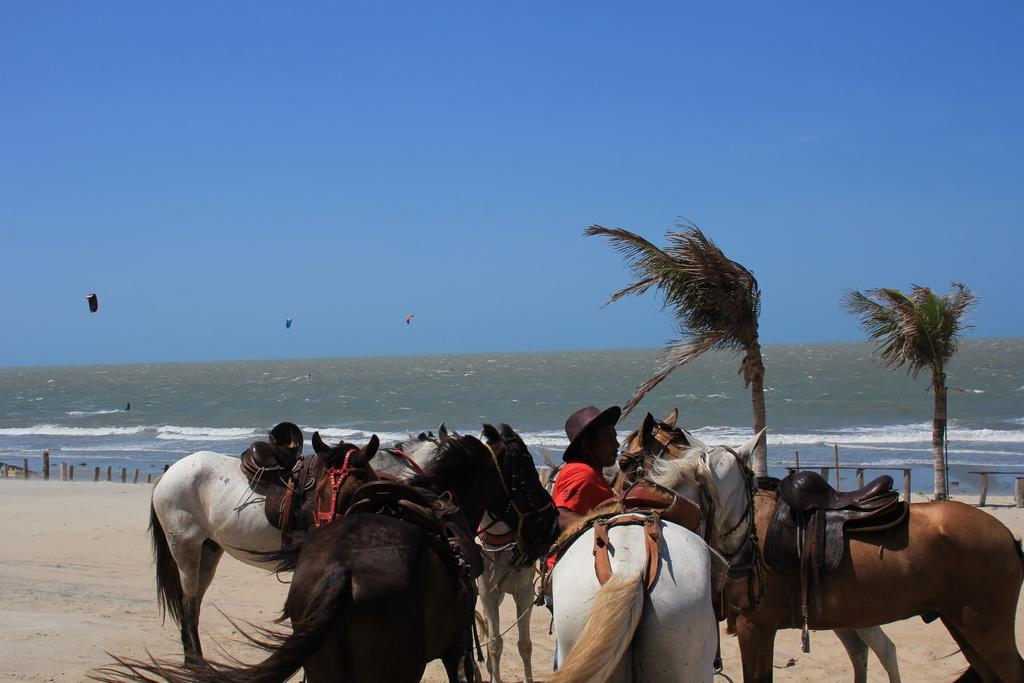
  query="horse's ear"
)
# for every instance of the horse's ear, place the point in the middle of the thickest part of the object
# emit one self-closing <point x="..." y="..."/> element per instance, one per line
<point x="492" y="435"/>
<point x="672" y="418"/>
<point x="747" y="449"/>
<point x="647" y="432"/>
<point x="442" y="433"/>
<point x="508" y="434"/>
<point x="318" y="444"/>
<point x="370" y="449"/>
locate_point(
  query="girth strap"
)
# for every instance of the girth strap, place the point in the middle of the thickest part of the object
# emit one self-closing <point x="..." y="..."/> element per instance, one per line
<point x="652" y="543"/>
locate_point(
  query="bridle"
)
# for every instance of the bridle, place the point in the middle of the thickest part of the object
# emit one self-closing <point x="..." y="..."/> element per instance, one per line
<point x="745" y="560"/>
<point x="511" y="508"/>
<point x="336" y="477"/>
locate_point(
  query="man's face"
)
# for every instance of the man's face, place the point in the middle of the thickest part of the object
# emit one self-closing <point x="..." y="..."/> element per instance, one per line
<point x="603" y="445"/>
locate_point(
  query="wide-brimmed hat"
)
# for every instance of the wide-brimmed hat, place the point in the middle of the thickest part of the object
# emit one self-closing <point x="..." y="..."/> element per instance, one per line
<point x="583" y="422"/>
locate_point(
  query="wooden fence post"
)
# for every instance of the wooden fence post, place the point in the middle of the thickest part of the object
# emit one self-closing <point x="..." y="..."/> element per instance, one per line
<point x="984" y="489"/>
<point x="1018" y="493"/>
<point x="46" y="465"/>
<point x="149" y="478"/>
<point x="906" y="484"/>
<point x="860" y="477"/>
<point x="124" y="474"/>
<point x="796" y="454"/>
<point x="71" y="473"/>
<point x="136" y="475"/>
<point x="110" y="471"/>
<point x="837" y="466"/>
<point x="63" y="471"/>
<point x="96" y="474"/>
<point x="28" y="475"/>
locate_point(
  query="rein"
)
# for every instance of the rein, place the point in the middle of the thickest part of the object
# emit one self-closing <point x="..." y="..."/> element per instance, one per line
<point x="409" y="461"/>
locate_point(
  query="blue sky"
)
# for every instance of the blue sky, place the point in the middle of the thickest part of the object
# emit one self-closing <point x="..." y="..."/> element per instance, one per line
<point x="209" y="169"/>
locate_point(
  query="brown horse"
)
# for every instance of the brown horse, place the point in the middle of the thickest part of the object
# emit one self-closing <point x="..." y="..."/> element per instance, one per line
<point x="948" y="561"/>
<point x="375" y="597"/>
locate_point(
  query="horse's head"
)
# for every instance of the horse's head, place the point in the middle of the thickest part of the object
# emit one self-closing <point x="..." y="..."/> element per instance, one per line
<point x="719" y="480"/>
<point x="654" y="439"/>
<point x="346" y="467"/>
<point x="523" y="505"/>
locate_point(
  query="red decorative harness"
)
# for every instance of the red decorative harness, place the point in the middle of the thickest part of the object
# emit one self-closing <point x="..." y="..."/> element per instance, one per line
<point x="336" y="477"/>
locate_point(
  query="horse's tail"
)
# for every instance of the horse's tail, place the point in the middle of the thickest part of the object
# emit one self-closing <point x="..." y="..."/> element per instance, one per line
<point x="169" y="593"/>
<point x="288" y="651"/>
<point x="608" y="632"/>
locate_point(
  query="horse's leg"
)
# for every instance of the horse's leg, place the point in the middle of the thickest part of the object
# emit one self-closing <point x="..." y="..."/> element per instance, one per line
<point x="490" y="599"/>
<point x="524" y="607"/>
<point x="757" y="647"/>
<point x="189" y="560"/>
<point x="884" y="649"/>
<point x="209" y="558"/>
<point x="857" y="649"/>
<point x="989" y="650"/>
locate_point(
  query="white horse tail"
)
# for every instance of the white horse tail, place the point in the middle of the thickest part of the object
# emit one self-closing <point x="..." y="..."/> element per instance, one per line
<point x="170" y="595"/>
<point x="609" y="630"/>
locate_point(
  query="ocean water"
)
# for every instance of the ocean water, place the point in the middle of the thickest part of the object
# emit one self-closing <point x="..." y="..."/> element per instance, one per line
<point x="818" y="395"/>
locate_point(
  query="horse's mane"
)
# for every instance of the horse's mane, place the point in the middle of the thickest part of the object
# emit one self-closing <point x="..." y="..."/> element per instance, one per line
<point x="690" y="468"/>
<point x="673" y="472"/>
<point x="455" y="459"/>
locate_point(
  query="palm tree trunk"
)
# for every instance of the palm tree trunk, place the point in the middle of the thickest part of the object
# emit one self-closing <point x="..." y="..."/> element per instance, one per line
<point x="939" y="435"/>
<point x="756" y="374"/>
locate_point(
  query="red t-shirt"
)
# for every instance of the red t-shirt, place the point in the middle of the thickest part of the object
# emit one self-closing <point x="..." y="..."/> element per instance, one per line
<point x="580" y="488"/>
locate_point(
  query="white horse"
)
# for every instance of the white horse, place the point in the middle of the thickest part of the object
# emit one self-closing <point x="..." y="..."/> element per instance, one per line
<point x="204" y="506"/>
<point x="501" y="577"/>
<point x="714" y="478"/>
<point x="623" y="632"/>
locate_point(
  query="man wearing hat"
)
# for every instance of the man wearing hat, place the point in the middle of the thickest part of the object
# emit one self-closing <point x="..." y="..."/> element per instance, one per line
<point x="593" y="444"/>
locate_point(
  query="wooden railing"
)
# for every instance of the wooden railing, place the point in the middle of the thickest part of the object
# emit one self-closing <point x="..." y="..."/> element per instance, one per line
<point x="1018" y="489"/>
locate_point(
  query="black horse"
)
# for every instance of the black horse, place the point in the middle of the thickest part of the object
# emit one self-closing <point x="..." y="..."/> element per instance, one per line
<point x="375" y="597"/>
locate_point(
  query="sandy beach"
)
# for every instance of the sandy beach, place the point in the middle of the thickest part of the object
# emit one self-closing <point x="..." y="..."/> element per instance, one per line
<point x="78" y="581"/>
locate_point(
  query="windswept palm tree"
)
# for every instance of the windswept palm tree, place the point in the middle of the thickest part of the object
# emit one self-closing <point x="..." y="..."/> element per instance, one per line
<point x="715" y="302"/>
<point x="917" y="330"/>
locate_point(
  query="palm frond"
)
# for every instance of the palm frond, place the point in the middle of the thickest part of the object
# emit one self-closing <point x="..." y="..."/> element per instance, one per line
<point x="677" y="354"/>
<point x="919" y="330"/>
<point x="715" y="301"/>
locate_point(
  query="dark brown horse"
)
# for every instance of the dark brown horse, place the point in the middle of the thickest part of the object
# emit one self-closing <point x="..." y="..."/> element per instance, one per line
<point x="205" y="505"/>
<point x="374" y="597"/>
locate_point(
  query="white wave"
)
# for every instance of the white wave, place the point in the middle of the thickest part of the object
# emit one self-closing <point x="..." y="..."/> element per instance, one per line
<point x="62" y="430"/>
<point x="176" y="433"/>
<point x="119" y="448"/>
<point x="84" y="413"/>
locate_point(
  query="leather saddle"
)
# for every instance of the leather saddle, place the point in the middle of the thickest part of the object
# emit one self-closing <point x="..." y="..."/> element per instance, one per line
<point x="439" y="516"/>
<point x="646" y="495"/>
<point x="263" y="461"/>
<point x="807" y="535"/>
<point x="277" y="470"/>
